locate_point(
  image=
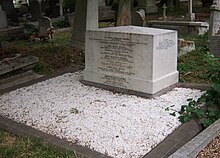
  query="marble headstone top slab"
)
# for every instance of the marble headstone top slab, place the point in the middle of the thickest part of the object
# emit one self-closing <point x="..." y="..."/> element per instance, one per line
<point x="136" y="30"/>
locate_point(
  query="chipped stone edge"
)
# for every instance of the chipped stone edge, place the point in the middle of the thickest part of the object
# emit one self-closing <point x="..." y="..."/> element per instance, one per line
<point x="193" y="147"/>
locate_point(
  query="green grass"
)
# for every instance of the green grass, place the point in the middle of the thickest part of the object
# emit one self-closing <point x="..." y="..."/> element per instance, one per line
<point x="12" y="146"/>
<point x="54" y="55"/>
<point x="195" y="67"/>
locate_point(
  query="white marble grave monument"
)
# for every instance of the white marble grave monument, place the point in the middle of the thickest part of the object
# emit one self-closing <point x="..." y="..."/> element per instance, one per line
<point x="137" y="59"/>
<point x="134" y="58"/>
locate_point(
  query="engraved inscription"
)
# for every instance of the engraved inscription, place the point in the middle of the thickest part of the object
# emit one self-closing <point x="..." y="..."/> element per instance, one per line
<point x="116" y="81"/>
<point x="116" y="57"/>
<point x="166" y="44"/>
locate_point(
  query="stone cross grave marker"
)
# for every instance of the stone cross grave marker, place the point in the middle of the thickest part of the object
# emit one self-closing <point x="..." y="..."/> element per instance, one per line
<point x="164" y="11"/>
<point x="3" y="19"/>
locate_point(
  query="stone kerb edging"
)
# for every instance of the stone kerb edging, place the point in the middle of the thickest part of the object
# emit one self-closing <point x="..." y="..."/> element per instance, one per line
<point x="28" y="132"/>
<point x="193" y="147"/>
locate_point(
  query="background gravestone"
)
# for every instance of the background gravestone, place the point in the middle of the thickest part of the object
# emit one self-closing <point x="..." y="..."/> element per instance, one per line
<point x="35" y="9"/>
<point x="138" y="18"/>
<point x="214" y="22"/>
<point x="214" y="28"/>
<point x="44" y="25"/>
<point x="79" y="25"/>
<point x="3" y="17"/>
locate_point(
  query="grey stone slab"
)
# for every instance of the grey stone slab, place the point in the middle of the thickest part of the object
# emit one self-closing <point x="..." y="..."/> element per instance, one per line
<point x="175" y="140"/>
<point x="12" y="31"/>
<point x="29" y="83"/>
<point x="193" y="147"/>
<point x="214" y="45"/>
<point x="138" y="18"/>
<point x="17" y="63"/>
<point x="183" y="27"/>
<point x="18" y="79"/>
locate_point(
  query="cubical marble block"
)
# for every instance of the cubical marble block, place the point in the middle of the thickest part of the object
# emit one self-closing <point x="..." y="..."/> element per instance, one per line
<point x="134" y="58"/>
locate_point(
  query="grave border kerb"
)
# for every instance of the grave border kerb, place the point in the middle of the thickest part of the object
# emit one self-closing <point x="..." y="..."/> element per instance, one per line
<point x="26" y="131"/>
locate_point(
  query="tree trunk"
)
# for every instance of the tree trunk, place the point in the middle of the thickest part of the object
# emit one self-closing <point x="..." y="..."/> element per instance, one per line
<point x="124" y="13"/>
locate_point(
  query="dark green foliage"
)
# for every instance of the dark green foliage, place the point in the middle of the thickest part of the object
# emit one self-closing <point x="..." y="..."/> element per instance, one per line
<point x="63" y="23"/>
<point x="199" y="65"/>
<point x="211" y="111"/>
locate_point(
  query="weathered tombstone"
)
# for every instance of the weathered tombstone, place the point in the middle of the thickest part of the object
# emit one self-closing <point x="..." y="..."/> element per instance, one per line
<point x="164" y="11"/>
<point x="214" y="28"/>
<point x="44" y="26"/>
<point x="80" y="23"/>
<point x="3" y="17"/>
<point x="130" y="58"/>
<point x="138" y="18"/>
<point x="35" y="9"/>
<point x="214" y="22"/>
<point x="124" y="13"/>
<point x="148" y="5"/>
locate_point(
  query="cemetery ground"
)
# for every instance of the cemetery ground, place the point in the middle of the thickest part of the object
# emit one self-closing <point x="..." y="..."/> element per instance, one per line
<point x="56" y="56"/>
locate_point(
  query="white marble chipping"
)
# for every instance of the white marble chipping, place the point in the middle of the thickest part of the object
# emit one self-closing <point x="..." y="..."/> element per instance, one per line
<point x="122" y="126"/>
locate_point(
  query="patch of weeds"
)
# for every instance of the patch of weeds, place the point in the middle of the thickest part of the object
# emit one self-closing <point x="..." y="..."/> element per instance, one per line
<point x="210" y="112"/>
<point x="39" y="67"/>
<point x="194" y="66"/>
<point x="54" y="56"/>
<point x="74" y="111"/>
<point x="62" y="23"/>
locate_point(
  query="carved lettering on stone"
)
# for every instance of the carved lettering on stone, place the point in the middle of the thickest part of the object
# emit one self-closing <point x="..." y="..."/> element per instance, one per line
<point x="165" y="44"/>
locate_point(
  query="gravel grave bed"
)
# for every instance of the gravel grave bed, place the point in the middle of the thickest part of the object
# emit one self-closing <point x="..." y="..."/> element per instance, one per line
<point x="115" y="124"/>
<point x="212" y="150"/>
